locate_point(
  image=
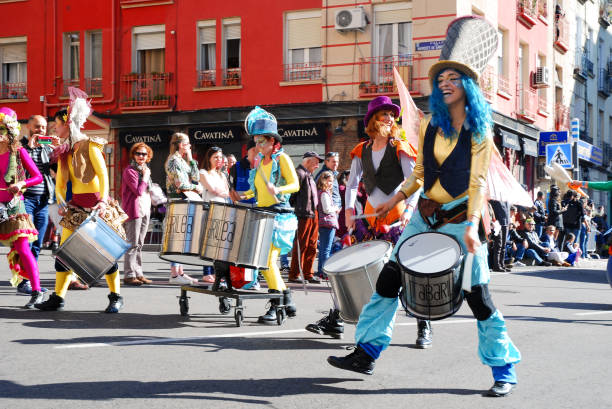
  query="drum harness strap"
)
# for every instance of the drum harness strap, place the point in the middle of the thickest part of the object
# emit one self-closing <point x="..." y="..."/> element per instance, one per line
<point x="429" y="208"/>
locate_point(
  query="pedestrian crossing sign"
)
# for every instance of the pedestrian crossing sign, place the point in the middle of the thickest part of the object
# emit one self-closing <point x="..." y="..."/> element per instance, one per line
<point x="560" y="153"/>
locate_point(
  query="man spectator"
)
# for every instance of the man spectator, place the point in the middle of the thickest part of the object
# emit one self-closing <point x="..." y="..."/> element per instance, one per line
<point x="536" y="250"/>
<point x="574" y="215"/>
<point x="332" y="160"/>
<point x="498" y="253"/>
<point x="305" y="202"/>
<point x="239" y="174"/>
<point x="514" y="242"/>
<point x="38" y="197"/>
<point x="539" y="214"/>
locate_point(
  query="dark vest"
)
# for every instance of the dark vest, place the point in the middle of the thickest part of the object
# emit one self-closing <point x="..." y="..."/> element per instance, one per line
<point x="389" y="174"/>
<point x="454" y="173"/>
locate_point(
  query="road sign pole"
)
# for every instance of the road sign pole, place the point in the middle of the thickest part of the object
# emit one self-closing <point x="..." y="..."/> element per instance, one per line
<point x="575" y="131"/>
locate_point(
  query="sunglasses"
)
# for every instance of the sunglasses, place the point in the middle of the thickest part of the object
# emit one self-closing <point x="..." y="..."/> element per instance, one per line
<point x="140" y="153"/>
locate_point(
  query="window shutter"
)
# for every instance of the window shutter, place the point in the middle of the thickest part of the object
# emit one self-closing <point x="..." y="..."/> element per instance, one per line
<point x="304" y="33"/>
<point x="393" y="16"/>
<point x="232" y="32"/>
<point x="14" y="53"/>
<point x="150" y="41"/>
<point x="208" y="35"/>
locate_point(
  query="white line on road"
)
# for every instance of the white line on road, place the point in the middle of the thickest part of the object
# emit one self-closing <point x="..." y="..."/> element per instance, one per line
<point x="236" y="335"/>
<point x="594" y="313"/>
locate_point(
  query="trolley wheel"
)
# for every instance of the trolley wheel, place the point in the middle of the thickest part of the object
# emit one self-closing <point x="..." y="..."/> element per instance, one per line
<point x="238" y="316"/>
<point x="184" y="306"/>
<point x="224" y="305"/>
<point x="280" y="315"/>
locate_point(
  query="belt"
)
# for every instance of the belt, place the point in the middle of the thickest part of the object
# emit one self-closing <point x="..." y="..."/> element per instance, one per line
<point x="430" y="208"/>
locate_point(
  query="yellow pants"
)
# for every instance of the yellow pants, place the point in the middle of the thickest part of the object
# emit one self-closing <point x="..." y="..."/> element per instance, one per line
<point x="63" y="278"/>
<point x="272" y="274"/>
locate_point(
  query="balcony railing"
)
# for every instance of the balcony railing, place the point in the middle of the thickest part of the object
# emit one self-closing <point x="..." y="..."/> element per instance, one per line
<point x="376" y="74"/>
<point x="561" y="117"/>
<point x="66" y="83"/>
<point x="605" y="8"/>
<point x="13" y="90"/>
<point x="527" y="12"/>
<point x="584" y="66"/>
<point x="527" y="99"/>
<point x="503" y="86"/>
<point x="561" y="34"/>
<point x="603" y="83"/>
<point x="543" y="105"/>
<point x="543" y="8"/>
<point x="93" y="86"/>
<point x="206" y="78"/>
<point x="146" y="91"/>
<point x="231" y="76"/>
<point x="487" y="83"/>
<point x="302" y="72"/>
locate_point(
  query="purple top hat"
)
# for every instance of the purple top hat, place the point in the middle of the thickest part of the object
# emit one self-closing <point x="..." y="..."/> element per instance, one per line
<point x="380" y="103"/>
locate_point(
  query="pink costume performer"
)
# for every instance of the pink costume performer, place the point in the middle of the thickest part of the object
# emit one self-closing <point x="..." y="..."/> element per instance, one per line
<point x="16" y="228"/>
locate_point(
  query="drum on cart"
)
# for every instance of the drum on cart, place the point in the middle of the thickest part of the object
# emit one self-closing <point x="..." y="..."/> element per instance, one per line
<point x="431" y="266"/>
<point x="353" y="272"/>
<point x="183" y="227"/>
<point x="92" y="250"/>
<point x="237" y="235"/>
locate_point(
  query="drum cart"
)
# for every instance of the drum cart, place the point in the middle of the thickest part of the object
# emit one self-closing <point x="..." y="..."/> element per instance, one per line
<point x="224" y="294"/>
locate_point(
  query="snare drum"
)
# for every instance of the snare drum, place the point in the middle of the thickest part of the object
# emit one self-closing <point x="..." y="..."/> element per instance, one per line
<point x="237" y="235"/>
<point x="92" y="249"/>
<point x="431" y="275"/>
<point x="182" y="232"/>
<point x="353" y="272"/>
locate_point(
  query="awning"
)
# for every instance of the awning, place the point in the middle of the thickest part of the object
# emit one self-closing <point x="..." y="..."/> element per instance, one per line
<point x="510" y="140"/>
<point x="530" y="147"/>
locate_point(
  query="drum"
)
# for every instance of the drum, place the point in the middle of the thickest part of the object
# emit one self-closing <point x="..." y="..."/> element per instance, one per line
<point x="92" y="250"/>
<point x="182" y="232"/>
<point x="431" y="275"/>
<point x="353" y="272"/>
<point x="238" y="235"/>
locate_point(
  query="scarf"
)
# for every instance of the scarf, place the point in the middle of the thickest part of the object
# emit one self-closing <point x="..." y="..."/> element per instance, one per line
<point x="141" y="169"/>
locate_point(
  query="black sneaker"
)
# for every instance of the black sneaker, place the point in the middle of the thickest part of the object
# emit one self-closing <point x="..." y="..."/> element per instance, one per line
<point x="424" y="334"/>
<point x="115" y="303"/>
<point x="331" y="325"/>
<point x="545" y="264"/>
<point x="357" y="361"/>
<point x="54" y="303"/>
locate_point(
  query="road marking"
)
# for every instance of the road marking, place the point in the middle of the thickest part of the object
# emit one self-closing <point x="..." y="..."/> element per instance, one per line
<point x="236" y="335"/>
<point x="594" y="313"/>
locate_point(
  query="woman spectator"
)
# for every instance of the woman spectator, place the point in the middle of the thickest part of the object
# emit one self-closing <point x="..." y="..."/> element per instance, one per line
<point x="136" y="201"/>
<point x="182" y="175"/>
<point x="216" y="189"/>
<point x="16" y="228"/>
<point x="328" y="218"/>
<point x="342" y="181"/>
<point x="555" y="212"/>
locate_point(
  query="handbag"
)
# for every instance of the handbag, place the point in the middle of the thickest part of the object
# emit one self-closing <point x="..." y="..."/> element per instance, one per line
<point x="329" y="221"/>
<point x="157" y="195"/>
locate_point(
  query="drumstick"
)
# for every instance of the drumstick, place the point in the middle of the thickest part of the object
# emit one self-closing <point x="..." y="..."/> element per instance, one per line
<point x="363" y="216"/>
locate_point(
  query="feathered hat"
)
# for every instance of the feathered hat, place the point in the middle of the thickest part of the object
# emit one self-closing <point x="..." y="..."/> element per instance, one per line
<point x="470" y="43"/>
<point x="79" y="109"/>
<point x="261" y="122"/>
<point x="8" y="120"/>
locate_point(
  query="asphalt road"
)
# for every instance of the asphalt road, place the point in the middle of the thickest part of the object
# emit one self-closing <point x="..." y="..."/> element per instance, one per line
<point x="149" y="356"/>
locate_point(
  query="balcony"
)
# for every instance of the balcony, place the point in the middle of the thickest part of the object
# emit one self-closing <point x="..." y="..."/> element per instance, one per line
<point x="543" y="106"/>
<point x="487" y="83"/>
<point x="543" y="9"/>
<point x="527" y="12"/>
<point x="302" y="72"/>
<point x="206" y="79"/>
<point x="231" y="77"/>
<point x="146" y="91"/>
<point x="66" y="83"/>
<point x="584" y="67"/>
<point x="376" y="74"/>
<point x="562" y="114"/>
<point x="13" y="90"/>
<point x="561" y="34"/>
<point x="605" y="9"/>
<point x="527" y="101"/>
<point x="93" y="86"/>
<point x="503" y="87"/>
<point x="603" y="83"/>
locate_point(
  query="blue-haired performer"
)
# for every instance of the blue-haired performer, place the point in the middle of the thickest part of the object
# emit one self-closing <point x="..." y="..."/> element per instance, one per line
<point x="455" y="146"/>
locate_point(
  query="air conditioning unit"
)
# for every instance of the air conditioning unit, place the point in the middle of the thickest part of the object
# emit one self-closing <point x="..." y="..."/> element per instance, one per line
<point x="541" y="77"/>
<point x="351" y="19"/>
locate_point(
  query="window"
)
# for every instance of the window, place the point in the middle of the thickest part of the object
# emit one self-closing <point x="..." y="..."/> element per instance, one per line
<point x="93" y="63"/>
<point x="303" y="45"/>
<point x="600" y="124"/>
<point x="14" y="67"/>
<point x="72" y="56"/>
<point x="150" y="49"/>
<point x="207" y="49"/>
<point x="231" y="52"/>
<point x="393" y="30"/>
<point x="501" y="48"/>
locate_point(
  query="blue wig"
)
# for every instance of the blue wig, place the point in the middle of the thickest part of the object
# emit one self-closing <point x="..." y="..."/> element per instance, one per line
<point x="478" y="111"/>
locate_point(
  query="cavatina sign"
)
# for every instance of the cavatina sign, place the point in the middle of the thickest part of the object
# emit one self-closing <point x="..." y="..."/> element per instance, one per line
<point x="216" y="134"/>
<point x="151" y="138"/>
<point x="309" y="132"/>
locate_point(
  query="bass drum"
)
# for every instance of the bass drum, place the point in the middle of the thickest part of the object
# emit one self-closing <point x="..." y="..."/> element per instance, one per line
<point x="182" y="232"/>
<point x="353" y="272"/>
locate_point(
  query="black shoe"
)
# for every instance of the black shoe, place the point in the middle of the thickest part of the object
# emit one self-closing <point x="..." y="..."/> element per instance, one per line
<point x="224" y="305"/>
<point x="24" y="288"/>
<point x="36" y="298"/>
<point x="357" y="361"/>
<point x="331" y="325"/>
<point x="290" y="307"/>
<point x="314" y="280"/>
<point x="115" y="303"/>
<point x="53" y="247"/>
<point x="297" y="280"/>
<point x="501" y="389"/>
<point x="424" y="334"/>
<point x="545" y="264"/>
<point x="269" y="317"/>
<point x="54" y="303"/>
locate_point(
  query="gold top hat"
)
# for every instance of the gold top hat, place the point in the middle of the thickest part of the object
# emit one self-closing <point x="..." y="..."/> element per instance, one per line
<point x="470" y="43"/>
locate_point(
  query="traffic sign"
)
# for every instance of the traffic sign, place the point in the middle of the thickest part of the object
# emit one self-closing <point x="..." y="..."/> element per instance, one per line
<point x="551" y="137"/>
<point x="560" y="153"/>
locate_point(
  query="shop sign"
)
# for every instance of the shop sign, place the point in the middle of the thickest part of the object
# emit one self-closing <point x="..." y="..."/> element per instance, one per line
<point x="530" y="147"/>
<point x="510" y="140"/>
<point x="551" y="137"/>
<point x="590" y="153"/>
<point x="312" y="132"/>
<point x="217" y="134"/>
<point x="152" y="138"/>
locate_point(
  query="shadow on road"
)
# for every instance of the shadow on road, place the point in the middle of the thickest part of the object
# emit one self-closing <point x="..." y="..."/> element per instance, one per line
<point x="197" y="389"/>
<point x="570" y="274"/>
<point x="570" y="305"/>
